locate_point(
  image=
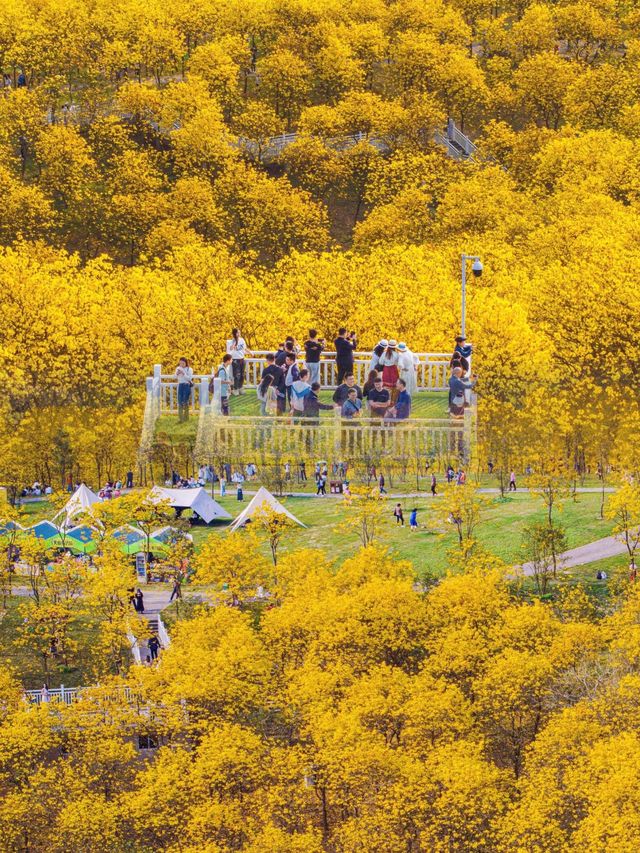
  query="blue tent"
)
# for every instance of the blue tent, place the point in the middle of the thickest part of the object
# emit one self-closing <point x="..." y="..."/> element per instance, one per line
<point x="128" y="536"/>
<point x="44" y="530"/>
<point x="9" y="527"/>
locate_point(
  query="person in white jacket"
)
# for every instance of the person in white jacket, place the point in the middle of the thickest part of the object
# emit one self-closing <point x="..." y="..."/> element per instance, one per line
<point x="407" y="365"/>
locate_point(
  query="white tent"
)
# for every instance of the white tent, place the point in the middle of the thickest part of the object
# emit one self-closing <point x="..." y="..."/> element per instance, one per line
<point x="79" y="502"/>
<point x="199" y="500"/>
<point x="261" y="497"/>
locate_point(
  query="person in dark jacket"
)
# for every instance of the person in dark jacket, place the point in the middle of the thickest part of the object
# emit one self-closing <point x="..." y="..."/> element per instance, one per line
<point x="312" y="404"/>
<point x="277" y="373"/>
<point x="154" y="646"/>
<point x="345" y="344"/>
<point x="312" y="352"/>
<point x="138" y="602"/>
<point x="341" y="394"/>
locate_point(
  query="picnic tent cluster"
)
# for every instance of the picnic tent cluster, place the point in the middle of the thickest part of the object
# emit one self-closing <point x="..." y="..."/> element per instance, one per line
<point x="84" y="538"/>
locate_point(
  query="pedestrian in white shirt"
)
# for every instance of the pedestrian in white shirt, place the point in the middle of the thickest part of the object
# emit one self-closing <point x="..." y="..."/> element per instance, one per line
<point x="237" y="349"/>
<point x="407" y="365"/>
<point x="184" y="375"/>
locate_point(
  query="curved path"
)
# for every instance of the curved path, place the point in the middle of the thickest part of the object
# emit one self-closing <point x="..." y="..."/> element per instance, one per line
<point x="590" y="553"/>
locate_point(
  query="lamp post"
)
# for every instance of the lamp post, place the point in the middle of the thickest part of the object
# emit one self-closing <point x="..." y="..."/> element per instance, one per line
<point x="476" y="269"/>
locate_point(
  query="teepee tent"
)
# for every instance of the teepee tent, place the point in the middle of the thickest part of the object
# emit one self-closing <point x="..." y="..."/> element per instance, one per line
<point x="78" y="503"/>
<point x="261" y="497"/>
<point x="198" y="500"/>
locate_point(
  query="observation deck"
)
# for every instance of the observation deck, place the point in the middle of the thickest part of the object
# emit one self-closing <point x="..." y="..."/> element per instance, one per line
<point x="244" y="433"/>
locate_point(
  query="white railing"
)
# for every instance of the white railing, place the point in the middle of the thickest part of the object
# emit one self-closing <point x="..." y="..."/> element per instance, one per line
<point x="250" y="437"/>
<point x="457" y="144"/>
<point x="62" y="694"/>
<point x="432" y="375"/>
<point x="135" y="648"/>
<point x="163" y="634"/>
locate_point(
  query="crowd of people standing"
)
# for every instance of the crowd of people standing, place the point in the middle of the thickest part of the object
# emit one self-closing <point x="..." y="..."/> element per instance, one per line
<point x="288" y="387"/>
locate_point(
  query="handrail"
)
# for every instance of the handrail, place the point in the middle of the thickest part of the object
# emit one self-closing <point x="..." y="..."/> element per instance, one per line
<point x="163" y="634"/>
<point x="63" y="694"/>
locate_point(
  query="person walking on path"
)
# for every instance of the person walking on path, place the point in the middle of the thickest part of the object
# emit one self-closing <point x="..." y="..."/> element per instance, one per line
<point x="512" y="482"/>
<point x="345" y="345"/>
<point x="302" y="468"/>
<point x="397" y="512"/>
<point x="312" y="351"/>
<point x="322" y="485"/>
<point x="237" y="349"/>
<point x="138" y="602"/>
<point x="413" y="519"/>
<point x="176" y="592"/>
<point x="383" y="491"/>
<point x="154" y="646"/>
<point x="129" y="480"/>
<point x="184" y="375"/>
<point x="434" y="484"/>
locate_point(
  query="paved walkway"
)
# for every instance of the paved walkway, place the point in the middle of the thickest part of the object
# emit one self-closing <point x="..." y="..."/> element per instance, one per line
<point x="598" y="550"/>
<point x="586" y="490"/>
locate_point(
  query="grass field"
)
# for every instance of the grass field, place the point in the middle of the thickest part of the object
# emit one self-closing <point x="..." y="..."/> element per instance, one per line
<point x="500" y="531"/>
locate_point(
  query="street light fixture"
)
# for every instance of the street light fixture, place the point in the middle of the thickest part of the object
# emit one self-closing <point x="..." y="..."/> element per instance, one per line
<point x="476" y="269"/>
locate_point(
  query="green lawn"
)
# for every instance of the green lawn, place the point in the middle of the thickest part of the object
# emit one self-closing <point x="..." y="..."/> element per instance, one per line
<point x="500" y="531"/>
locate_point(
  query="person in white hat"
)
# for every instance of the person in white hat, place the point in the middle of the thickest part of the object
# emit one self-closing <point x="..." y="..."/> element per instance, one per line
<point x="408" y="368"/>
<point x="377" y="352"/>
<point x="389" y="363"/>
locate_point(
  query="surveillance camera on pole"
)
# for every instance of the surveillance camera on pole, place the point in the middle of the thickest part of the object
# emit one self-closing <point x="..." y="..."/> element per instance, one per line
<point x="476" y="269"/>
